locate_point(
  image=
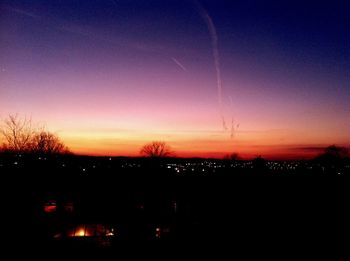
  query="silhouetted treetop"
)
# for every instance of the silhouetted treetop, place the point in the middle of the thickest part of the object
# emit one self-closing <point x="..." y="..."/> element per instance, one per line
<point x="333" y="155"/>
<point x="17" y="133"/>
<point x="45" y="142"/>
<point x="19" y="136"/>
<point x="338" y="152"/>
<point x="157" y="149"/>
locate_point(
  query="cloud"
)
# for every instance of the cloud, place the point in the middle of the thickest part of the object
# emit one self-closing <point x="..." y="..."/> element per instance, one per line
<point x="311" y="149"/>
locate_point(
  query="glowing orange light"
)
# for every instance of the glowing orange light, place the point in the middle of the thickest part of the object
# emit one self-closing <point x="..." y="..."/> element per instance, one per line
<point x="80" y="233"/>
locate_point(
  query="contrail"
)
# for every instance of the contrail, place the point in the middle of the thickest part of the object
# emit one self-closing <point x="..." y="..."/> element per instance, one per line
<point x="233" y="127"/>
<point x="22" y="12"/>
<point x="114" y="3"/>
<point x="224" y="126"/>
<point x="214" y="42"/>
<point x="179" y="64"/>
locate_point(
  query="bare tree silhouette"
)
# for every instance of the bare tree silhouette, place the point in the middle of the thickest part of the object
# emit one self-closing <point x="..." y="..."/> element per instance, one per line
<point x="45" y="142"/>
<point x="333" y="155"/>
<point x="156" y="149"/>
<point x="20" y="137"/>
<point x="337" y="152"/>
<point x="17" y="133"/>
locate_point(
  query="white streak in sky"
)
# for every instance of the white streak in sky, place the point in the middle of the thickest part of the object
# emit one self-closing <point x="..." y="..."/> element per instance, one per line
<point x="214" y="42"/>
<point x="22" y="12"/>
<point x="179" y="64"/>
<point x="114" y="3"/>
<point x="233" y="127"/>
<point x="223" y="120"/>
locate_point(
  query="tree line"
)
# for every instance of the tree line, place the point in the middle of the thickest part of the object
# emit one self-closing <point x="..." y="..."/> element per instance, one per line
<point x="19" y="135"/>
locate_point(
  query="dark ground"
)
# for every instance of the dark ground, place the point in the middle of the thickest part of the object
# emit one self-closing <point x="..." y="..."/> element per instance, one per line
<point x="241" y="207"/>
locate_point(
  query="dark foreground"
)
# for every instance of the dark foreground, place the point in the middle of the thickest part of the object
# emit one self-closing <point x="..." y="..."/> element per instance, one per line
<point x="101" y="204"/>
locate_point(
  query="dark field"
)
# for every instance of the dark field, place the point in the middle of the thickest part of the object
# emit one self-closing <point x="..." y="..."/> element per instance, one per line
<point x="100" y="203"/>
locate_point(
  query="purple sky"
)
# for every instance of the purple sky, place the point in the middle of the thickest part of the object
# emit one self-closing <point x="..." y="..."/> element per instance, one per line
<point x="109" y="76"/>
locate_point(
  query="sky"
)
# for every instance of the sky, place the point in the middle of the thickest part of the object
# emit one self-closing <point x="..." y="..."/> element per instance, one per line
<point x="267" y="78"/>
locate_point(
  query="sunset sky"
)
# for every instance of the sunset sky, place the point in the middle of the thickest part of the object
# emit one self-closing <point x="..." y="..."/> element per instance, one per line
<point x="109" y="76"/>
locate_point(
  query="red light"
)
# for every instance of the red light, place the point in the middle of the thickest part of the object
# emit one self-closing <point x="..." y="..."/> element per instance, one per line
<point x="50" y="207"/>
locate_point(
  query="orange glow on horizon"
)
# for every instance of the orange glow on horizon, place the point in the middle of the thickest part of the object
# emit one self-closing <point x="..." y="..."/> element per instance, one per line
<point x="106" y="88"/>
<point x="80" y="233"/>
<point x="247" y="146"/>
<point x="205" y="141"/>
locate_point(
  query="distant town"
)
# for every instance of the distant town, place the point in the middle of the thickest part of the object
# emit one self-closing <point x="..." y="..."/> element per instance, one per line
<point x="81" y="202"/>
<point x="87" y="165"/>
